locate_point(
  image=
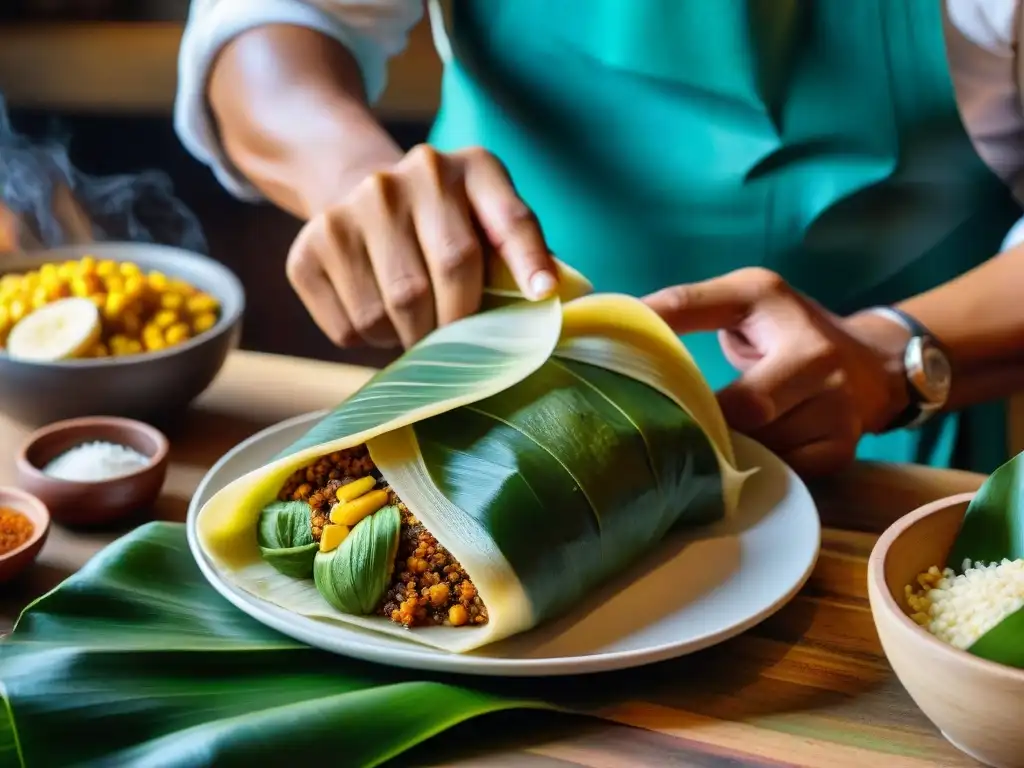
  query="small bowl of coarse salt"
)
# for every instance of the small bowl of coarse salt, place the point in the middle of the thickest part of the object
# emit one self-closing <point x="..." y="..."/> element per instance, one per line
<point x="93" y="471"/>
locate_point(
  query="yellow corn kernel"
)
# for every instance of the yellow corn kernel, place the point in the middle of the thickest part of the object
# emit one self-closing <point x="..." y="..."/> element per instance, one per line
<point x="130" y="269"/>
<point x="115" y="305"/>
<point x="355" y="489"/>
<point x="84" y="286"/>
<point x="87" y="265"/>
<point x="165" y="319"/>
<point x="18" y="309"/>
<point x="332" y="537"/>
<point x="114" y="283"/>
<point x="172" y="300"/>
<point x="177" y="333"/>
<point x="39" y="298"/>
<point x="30" y="281"/>
<point x="157" y="281"/>
<point x="5" y="319"/>
<point x="182" y="287"/>
<point x="100" y="350"/>
<point x="55" y="288"/>
<point x="68" y="270"/>
<point x="154" y="343"/>
<point x="106" y="268"/>
<point x="202" y="303"/>
<point x="134" y="286"/>
<point x="203" y="322"/>
<point x="49" y="272"/>
<point x="118" y="341"/>
<point x="351" y="512"/>
<point x="133" y="347"/>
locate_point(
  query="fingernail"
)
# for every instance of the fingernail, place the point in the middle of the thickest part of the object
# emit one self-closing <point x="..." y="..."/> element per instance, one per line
<point x="542" y="285"/>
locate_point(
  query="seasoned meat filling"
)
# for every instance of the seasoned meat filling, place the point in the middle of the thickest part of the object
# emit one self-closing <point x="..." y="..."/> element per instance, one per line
<point x="428" y="585"/>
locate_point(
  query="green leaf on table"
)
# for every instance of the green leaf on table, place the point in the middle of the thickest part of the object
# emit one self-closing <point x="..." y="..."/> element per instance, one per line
<point x="137" y="661"/>
<point x="993" y="527"/>
<point x="285" y="536"/>
<point x="354" y="576"/>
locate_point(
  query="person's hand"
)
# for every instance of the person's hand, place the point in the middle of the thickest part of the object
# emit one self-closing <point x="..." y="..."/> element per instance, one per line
<point x="810" y="384"/>
<point x="404" y="252"/>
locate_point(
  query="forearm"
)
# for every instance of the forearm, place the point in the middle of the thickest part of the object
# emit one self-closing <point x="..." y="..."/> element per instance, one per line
<point x="292" y="116"/>
<point x="979" y="318"/>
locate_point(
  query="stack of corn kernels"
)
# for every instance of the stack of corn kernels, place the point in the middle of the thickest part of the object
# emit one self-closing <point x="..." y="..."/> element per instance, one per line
<point x="142" y="312"/>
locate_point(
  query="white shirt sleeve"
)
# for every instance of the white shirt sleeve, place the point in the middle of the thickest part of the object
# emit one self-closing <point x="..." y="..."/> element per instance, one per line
<point x="983" y="44"/>
<point x="372" y="30"/>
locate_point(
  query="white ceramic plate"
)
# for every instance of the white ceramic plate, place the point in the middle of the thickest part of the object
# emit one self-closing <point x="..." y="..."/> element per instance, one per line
<point x="696" y="590"/>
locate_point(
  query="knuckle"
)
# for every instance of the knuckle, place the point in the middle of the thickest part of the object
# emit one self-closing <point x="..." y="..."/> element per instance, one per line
<point x="406" y="292"/>
<point x="342" y="335"/>
<point x="679" y="298"/>
<point x="517" y="218"/>
<point x="764" y="281"/>
<point x="300" y="266"/>
<point x="458" y="257"/>
<point x="377" y="191"/>
<point x="425" y="159"/>
<point x="367" y="318"/>
<point x="477" y="154"/>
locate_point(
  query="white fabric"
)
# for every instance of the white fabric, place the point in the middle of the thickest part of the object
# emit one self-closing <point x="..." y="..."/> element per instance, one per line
<point x="981" y="36"/>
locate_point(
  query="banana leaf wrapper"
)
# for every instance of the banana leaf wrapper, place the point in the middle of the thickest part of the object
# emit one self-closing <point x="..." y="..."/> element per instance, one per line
<point x="547" y="445"/>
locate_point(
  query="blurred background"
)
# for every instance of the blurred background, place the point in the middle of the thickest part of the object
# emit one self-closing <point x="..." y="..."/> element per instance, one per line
<point x="103" y="73"/>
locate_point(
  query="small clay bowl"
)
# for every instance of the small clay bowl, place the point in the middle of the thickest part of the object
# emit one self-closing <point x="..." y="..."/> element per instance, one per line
<point x="82" y="504"/>
<point x="17" y="560"/>
<point x="974" y="703"/>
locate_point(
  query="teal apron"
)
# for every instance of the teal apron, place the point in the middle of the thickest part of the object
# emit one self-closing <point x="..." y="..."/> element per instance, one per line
<point x="667" y="141"/>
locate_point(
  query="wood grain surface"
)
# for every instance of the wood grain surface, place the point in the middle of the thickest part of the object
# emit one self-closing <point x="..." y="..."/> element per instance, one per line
<point x="808" y="687"/>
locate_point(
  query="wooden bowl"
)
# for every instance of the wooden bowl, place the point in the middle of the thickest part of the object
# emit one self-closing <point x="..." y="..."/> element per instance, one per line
<point x="80" y="504"/>
<point x="974" y="702"/>
<point x="17" y="560"/>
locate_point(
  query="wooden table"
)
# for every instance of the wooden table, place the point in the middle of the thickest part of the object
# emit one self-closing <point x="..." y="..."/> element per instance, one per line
<point x="808" y="687"/>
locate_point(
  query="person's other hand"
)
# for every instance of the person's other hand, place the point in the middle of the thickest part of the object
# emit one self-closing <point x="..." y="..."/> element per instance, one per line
<point x="810" y="385"/>
<point x="404" y="252"/>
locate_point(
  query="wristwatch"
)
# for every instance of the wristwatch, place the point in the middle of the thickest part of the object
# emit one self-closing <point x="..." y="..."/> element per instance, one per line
<point x="928" y="371"/>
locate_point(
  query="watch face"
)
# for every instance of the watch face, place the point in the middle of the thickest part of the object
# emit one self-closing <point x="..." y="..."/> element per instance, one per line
<point x="930" y="372"/>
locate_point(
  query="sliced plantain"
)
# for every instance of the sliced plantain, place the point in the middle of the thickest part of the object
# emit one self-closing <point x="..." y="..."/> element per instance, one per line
<point x="63" y="330"/>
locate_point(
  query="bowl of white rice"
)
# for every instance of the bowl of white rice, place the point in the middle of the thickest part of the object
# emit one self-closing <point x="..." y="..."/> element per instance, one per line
<point x="927" y="617"/>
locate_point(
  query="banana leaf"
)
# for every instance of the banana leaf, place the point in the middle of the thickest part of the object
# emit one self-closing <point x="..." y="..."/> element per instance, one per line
<point x="547" y="445"/>
<point x="993" y="529"/>
<point x="136" y="661"/>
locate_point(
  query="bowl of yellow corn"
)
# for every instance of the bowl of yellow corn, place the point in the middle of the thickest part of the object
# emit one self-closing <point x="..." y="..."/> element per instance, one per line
<point x="117" y="329"/>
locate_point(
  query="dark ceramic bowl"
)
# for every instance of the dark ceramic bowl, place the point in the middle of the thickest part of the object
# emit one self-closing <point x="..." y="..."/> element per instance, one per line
<point x="79" y="504"/>
<point x="17" y="560"/>
<point x="152" y="387"/>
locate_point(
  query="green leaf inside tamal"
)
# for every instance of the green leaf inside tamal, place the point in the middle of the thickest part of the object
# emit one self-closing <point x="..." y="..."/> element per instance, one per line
<point x="354" y="576"/>
<point x="285" y="538"/>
